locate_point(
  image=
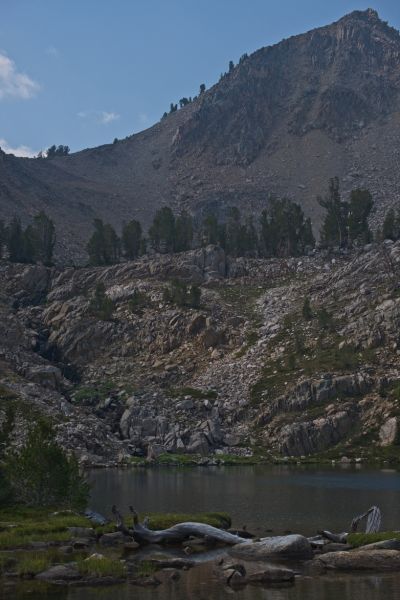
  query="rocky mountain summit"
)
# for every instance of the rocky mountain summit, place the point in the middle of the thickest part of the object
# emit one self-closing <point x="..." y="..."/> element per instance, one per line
<point x="250" y="371"/>
<point x="282" y="121"/>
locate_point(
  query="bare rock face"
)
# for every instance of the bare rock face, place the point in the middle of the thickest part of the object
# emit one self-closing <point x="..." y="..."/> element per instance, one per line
<point x="288" y="546"/>
<point x="308" y="438"/>
<point x="388" y="432"/>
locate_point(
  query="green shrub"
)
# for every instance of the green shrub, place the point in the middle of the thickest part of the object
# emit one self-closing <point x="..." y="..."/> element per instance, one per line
<point x="138" y="302"/>
<point x="325" y="320"/>
<point x="100" y="305"/>
<point x="41" y="474"/>
<point x="180" y="294"/>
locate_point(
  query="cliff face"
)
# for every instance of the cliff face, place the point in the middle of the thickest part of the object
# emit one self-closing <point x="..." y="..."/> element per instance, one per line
<point x="245" y="372"/>
<point x="283" y="121"/>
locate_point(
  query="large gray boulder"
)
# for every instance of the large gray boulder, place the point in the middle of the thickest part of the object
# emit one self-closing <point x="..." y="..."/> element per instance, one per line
<point x="59" y="573"/>
<point x="287" y="546"/>
<point x="361" y="560"/>
<point x="388" y="432"/>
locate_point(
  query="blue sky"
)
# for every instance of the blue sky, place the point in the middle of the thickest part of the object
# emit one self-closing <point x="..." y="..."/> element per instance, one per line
<point x="81" y="72"/>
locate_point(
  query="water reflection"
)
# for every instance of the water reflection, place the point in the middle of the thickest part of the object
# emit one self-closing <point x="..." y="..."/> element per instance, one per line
<point x="277" y="498"/>
<point x="199" y="584"/>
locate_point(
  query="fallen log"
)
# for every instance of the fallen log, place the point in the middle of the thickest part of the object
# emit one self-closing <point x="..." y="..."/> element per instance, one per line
<point x="173" y="535"/>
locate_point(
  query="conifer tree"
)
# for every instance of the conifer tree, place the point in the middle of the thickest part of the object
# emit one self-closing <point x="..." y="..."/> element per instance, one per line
<point x="41" y="237"/>
<point x="360" y="207"/>
<point x="132" y="239"/>
<point x="334" y="230"/>
<point x="183" y="233"/>
<point x="162" y="230"/>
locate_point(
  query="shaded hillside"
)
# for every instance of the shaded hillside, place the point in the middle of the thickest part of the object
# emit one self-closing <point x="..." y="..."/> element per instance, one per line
<point x="283" y="121"/>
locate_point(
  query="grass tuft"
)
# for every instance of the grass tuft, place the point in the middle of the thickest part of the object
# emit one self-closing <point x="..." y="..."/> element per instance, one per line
<point x="363" y="539"/>
<point x="101" y="567"/>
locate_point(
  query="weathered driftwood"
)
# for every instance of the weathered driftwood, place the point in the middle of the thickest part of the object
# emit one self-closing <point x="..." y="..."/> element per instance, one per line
<point x="178" y="533"/>
<point x="374" y="519"/>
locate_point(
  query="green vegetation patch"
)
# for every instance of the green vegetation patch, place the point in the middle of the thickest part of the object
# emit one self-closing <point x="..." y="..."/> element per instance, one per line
<point x="21" y="526"/>
<point x="101" y="567"/>
<point x="363" y="539"/>
<point x="162" y="521"/>
<point x="6" y="393"/>
<point x="87" y="394"/>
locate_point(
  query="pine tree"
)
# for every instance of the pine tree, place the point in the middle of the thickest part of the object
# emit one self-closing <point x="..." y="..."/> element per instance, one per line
<point x="42" y="237"/>
<point x="18" y="242"/>
<point x="334" y="230"/>
<point x="2" y="238"/>
<point x="41" y="474"/>
<point x="183" y="233"/>
<point x="210" y="230"/>
<point x="389" y="228"/>
<point x="104" y="246"/>
<point x="132" y="239"/>
<point x="360" y="207"/>
<point x="162" y="231"/>
<point x="234" y="232"/>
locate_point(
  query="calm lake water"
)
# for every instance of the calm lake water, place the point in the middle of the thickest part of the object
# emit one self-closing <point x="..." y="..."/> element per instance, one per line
<point x="266" y="499"/>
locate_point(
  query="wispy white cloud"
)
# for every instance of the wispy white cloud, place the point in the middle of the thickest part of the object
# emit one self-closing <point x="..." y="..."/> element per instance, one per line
<point x="13" y="83"/>
<point x="99" y="116"/>
<point x="22" y="150"/>
<point x="108" y="117"/>
<point x="52" y="51"/>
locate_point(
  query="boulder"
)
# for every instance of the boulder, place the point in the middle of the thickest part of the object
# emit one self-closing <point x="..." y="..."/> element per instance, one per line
<point x="112" y="539"/>
<point x="271" y="574"/>
<point x="361" y="560"/>
<point x="287" y="546"/>
<point x="59" y="573"/>
<point x="46" y="376"/>
<point x="388" y="432"/>
<point x="198" y="444"/>
<point x="393" y="544"/>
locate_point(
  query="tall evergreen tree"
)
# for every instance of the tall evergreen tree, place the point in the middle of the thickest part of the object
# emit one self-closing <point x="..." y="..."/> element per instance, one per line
<point x="162" y="230"/>
<point x="360" y="207"/>
<point x="234" y="233"/>
<point x="390" y="229"/>
<point x="104" y="245"/>
<point x="210" y="233"/>
<point x="2" y="238"/>
<point x="183" y="232"/>
<point x="18" y="243"/>
<point x="132" y="239"/>
<point x="334" y="230"/>
<point x="42" y="237"/>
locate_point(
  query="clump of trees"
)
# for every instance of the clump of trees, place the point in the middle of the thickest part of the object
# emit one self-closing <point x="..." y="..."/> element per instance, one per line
<point x="32" y="244"/>
<point x="346" y="222"/>
<point x="54" y="151"/>
<point x="41" y="473"/>
<point x="282" y="230"/>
